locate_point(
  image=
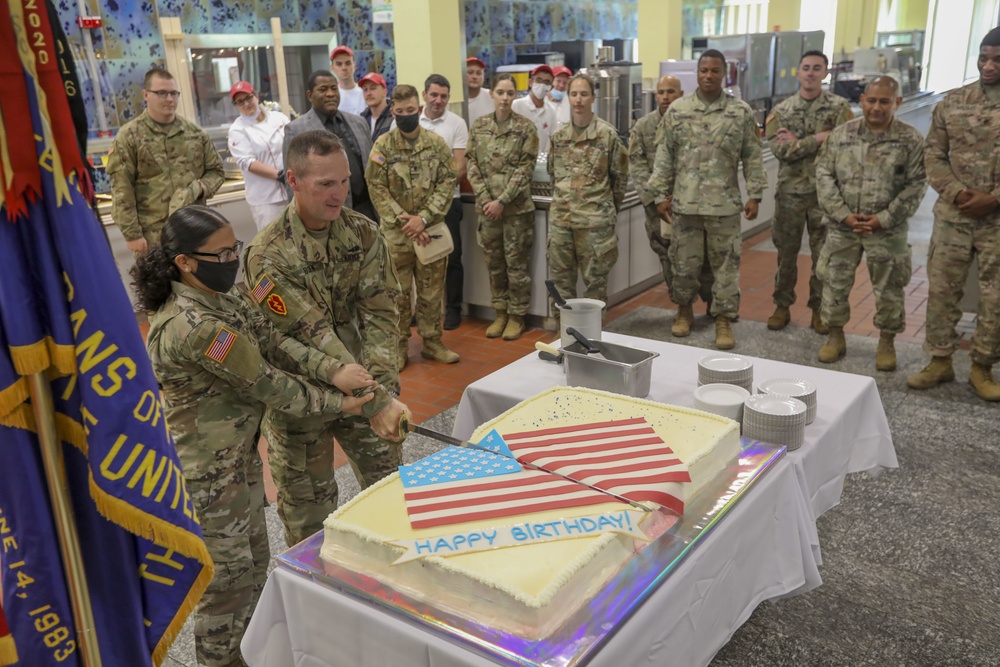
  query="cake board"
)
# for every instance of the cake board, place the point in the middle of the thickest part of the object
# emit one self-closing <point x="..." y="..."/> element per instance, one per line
<point x="580" y="639"/>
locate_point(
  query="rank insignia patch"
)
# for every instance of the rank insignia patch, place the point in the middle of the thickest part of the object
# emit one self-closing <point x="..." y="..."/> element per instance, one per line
<point x="221" y="344"/>
<point x="262" y="288"/>
<point x="277" y="304"/>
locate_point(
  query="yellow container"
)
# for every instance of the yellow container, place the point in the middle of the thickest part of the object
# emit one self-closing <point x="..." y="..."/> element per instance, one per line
<point x="521" y="74"/>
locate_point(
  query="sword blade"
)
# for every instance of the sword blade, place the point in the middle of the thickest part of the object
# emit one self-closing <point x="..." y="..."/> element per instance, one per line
<point x="451" y="440"/>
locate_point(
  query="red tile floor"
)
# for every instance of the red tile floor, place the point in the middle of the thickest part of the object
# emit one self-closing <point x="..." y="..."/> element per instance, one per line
<point x="430" y="387"/>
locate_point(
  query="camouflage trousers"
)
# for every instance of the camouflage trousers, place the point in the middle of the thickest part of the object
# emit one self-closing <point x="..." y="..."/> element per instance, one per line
<point x="506" y="244"/>
<point x="951" y="250"/>
<point x="429" y="281"/>
<point x="301" y="453"/>
<point x="889" y="259"/>
<point x="793" y="214"/>
<point x="660" y="245"/>
<point x="592" y="251"/>
<point x="227" y="491"/>
<point x="715" y="240"/>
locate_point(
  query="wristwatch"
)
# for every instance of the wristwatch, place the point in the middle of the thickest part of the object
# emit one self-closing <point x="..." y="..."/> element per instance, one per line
<point x="424" y="220"/>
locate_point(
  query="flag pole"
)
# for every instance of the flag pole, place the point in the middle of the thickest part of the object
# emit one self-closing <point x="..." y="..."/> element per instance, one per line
<point x="62" y="504"/>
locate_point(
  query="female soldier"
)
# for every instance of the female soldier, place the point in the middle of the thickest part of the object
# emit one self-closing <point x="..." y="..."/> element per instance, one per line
<point x="207" y="345"/>
<point x="503" y="147"/>
<point x="588" y="165"/>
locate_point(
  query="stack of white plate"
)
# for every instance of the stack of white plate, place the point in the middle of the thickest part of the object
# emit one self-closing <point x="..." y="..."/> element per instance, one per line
<point x="777" y="419"/>
<point x="726" y="369"/>
<point x="803" y="390"/>
<point x="721" y="399"/>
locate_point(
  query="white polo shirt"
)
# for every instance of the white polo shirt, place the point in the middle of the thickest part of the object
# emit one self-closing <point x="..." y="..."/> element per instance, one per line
<point x="542" y="117"/>
<point x="480" y="105"/>
<point x="352" y="100"/>
<point x="560" y="110"/>
<point x="250" y="141"/>
<point x="450" y="127"/>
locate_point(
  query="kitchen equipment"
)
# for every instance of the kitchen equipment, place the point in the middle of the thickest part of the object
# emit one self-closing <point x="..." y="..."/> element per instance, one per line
<point x="584" y="315"/>
<point x="548" y="352"/>
<point x="550" y="285"/>
<point x="616" y="368"/>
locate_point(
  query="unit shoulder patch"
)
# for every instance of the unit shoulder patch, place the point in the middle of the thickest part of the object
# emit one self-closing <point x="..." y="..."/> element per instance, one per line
<point x="277" y="304"/>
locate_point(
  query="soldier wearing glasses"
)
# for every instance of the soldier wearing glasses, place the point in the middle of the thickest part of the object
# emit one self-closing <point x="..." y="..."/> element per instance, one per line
<point x="221" y="363"/>
<point x="159" y="162"/>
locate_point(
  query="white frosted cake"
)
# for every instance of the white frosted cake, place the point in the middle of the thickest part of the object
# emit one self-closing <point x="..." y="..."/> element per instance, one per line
<point x="552" y="563"/>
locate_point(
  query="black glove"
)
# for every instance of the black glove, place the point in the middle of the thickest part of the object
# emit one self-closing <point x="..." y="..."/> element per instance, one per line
<point x="281" y="178"/>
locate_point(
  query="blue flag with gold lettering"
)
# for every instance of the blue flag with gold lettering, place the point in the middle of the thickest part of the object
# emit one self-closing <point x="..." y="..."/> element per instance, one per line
<point x="65" y="313"/>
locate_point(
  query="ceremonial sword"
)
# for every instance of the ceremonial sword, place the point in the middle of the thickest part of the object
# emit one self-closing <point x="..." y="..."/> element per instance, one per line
<point x="406" y="426"/>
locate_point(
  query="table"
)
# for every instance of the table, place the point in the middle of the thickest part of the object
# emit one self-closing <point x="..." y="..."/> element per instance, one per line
<point x="850" y="433"/>
<point x="761" y="550"/>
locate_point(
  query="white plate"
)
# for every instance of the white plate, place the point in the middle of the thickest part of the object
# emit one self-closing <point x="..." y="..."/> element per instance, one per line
<point x="775" y="405"/>
<point x="727" y="363"/>
<point x="786" y="387"/>
<point x="721" y="394"/>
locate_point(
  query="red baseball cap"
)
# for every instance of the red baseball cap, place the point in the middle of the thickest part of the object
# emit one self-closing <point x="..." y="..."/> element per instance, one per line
<point x="341" y="49"/>
<point x="475" y="61"/>
<point x="373" y="77"/>
<point x="241" y="87"/>
<point x="541" y="68"/>
<point x="559" y="70"/>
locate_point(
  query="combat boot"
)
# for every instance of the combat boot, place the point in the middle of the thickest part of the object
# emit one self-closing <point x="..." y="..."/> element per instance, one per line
<point x="724" y="339"/>
<point x="682" y="321"/>
<point x="835" y="346"/>
<point x="495" y="330"/>
<point x="435" y="349"/>
<point x="514" y="328"/>
<point x="779" y="319"/>
<point x="938" y="371"/>
<point x="981" y="379"/>
<point x="885" y="356"/>
<point x="817" y="324"/>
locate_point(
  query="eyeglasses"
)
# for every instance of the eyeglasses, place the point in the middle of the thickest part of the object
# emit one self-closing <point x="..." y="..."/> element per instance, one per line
<point x="227" y="255"/>
<point x="243" y="101"/>
<point x="164" y="94"/>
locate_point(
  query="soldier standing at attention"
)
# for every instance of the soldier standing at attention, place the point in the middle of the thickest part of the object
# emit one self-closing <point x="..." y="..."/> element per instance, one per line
<point x="704" y="138"/>
<point x="641" y="154"/>
<point x="869" y="181"/>
<point x="411" y="176"/>
<point x="796" y="130"/>
<point x="320" y="272"/>
<point x="588" y="167"/>
<point x="220" y="363"/>
<point x="963" y="165"/>
<point x="159" y="162"/>
<point x="503" y="148"/>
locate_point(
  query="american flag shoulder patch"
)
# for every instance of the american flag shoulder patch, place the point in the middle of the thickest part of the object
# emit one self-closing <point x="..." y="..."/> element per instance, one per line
<point x="221" y="345"/>
<point x="262" y="288"/>
<point x="377" y="157"/>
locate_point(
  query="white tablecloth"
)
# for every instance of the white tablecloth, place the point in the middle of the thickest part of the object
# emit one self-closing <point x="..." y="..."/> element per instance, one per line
<point x="760" y="550"/>
<point x="850" y="433"/>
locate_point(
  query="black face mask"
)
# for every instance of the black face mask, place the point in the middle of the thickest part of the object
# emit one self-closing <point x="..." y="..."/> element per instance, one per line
<point x="219" y="276"/>
<point x="408" y="123"/>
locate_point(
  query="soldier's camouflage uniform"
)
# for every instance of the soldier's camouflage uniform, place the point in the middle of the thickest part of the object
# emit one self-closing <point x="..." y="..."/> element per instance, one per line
<point x="337" y="297"/>
<point x="220" y="362"/>
<point x="154" y="171"/>
<point x="859" y="171"/>
<point x="697" y="160"/>
<point x="501" y="159"/>
<point x="589" y="174"/>
<point x="416" y="179"/>
<point x="641" y="155"/>
<point x="795" y="205"/>
<point x="963" y="152"/>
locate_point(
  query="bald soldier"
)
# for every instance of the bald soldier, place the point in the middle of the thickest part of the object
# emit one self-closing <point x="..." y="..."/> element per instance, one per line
<point x="869" y="181"/>
<point x="641" y="154"/>
<point x="796" y="130"/>
<point x="963" y="165"/>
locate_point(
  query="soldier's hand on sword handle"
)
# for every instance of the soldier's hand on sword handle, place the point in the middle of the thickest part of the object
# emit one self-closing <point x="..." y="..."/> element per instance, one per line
<point x="387" y="423"/>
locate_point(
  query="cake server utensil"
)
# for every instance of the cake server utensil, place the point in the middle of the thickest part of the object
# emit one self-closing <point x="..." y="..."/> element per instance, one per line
<point x="407" y="426"/>
<point x="548" y="352"/>
<point x="554" y="293"/>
